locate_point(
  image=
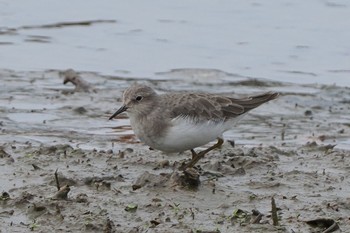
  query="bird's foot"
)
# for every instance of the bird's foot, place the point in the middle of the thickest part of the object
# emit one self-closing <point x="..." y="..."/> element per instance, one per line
<point x="196" y="157"/>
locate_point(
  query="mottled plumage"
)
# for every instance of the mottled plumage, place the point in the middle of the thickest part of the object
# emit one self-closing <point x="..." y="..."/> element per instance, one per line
<point x="175" y="122"/>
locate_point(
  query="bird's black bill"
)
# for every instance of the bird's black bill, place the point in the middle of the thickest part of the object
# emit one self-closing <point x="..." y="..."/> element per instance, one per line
<point x="120" y="110"/>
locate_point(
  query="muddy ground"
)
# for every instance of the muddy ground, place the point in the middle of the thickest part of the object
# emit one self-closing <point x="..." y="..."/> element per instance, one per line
<point x="294" y="149"/>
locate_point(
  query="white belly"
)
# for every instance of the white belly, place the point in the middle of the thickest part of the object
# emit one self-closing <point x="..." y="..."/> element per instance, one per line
<point x="185" y="134"/>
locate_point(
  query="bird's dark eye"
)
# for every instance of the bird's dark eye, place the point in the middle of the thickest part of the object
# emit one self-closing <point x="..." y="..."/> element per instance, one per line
<point x="138" y="98"/>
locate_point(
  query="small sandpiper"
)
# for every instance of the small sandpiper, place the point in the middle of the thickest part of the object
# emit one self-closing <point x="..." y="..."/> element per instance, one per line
<point x="176" y="122"/>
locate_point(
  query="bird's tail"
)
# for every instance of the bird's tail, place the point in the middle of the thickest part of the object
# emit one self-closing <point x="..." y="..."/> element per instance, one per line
<point x="255" y="101"/>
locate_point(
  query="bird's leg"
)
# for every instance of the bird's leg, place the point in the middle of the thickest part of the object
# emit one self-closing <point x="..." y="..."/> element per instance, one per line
<point x="196" y="157"/>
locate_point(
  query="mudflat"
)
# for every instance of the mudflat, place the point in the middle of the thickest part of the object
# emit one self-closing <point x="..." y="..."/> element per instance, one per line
<point x="65" y="168"/>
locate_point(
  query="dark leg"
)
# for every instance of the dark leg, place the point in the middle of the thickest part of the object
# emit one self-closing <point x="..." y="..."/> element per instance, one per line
<point x="196" y="157"/>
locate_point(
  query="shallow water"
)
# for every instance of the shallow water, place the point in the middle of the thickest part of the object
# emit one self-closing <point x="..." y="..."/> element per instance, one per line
<point x="298" y="41"/>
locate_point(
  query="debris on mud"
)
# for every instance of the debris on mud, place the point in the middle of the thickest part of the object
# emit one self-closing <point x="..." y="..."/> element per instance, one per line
<point x="188" y="178"/>
<point x="327" y="225"/>
<point x="103" y="168"/>
<point x="150" y="180"/>
<point x="274" y="214"/>
<point x="81" y="85"/>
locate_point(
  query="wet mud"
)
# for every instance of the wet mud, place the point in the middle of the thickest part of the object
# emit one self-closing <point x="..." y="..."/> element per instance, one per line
<point x="65" y="168"/>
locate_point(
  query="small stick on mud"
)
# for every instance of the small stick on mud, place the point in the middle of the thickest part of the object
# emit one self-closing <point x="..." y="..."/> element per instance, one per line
<point x="330" y="225"/>
<point x="192" y="213"/>
<point x="57" y="181"/>
<point x="332" y="228"/>
<point x="36" y="167"/>
<point x="62" y="192"/>
<point x="274" y="212"/>
<point x="258" y="217"/>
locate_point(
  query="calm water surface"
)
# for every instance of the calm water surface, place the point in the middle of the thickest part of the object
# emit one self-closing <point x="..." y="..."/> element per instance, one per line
<point x="295" y="41"/>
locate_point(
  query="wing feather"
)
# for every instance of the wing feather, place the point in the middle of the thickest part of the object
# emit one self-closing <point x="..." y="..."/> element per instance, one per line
<point x="209" y="107"/>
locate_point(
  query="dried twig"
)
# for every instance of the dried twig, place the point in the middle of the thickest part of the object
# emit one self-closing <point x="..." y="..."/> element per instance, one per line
<point x="62" y="191"/>
<point x="36" y="167"/>
<point x="329" y="225"/>
<point x="57" y="181"/>
<point x="258" y="217"/>
<point x="274" y="212"/>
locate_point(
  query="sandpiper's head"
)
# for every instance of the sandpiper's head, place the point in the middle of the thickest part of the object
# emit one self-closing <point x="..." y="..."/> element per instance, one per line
<point x="137" y="99"/>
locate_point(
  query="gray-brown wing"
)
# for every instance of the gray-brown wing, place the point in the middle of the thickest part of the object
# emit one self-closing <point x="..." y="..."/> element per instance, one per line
<point x="204" y="107"/>
<point x="255" y="101"/>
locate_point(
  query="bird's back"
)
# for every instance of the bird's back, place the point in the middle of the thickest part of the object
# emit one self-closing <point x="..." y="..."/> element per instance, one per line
<point x="210" y="107"/>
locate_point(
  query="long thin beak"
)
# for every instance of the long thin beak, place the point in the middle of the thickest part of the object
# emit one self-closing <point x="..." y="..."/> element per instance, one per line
<point x="120" y="110"/>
